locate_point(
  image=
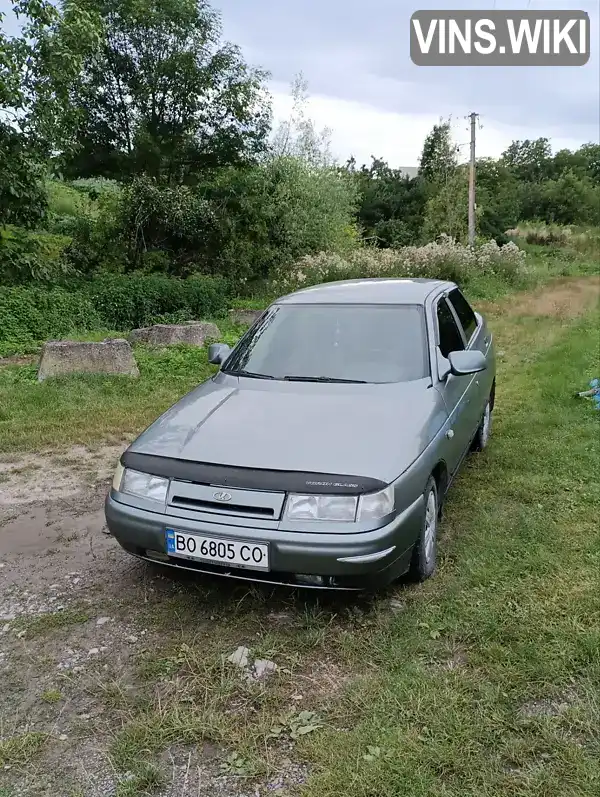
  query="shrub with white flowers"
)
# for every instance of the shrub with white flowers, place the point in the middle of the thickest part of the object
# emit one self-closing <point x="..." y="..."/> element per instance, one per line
<point x="442" y="259"/>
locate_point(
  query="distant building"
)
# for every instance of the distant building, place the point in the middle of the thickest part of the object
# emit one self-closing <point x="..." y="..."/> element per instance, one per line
<point x="409" y="171"/>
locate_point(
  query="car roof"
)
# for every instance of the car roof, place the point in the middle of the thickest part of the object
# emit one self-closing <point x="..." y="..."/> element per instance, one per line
<point x="368" y="291"/>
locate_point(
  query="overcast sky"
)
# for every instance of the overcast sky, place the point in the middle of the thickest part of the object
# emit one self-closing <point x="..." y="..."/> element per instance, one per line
<point x="363" y="85"/>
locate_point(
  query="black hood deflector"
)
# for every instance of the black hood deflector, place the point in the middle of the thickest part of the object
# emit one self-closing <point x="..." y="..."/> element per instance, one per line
<point x="250" y="478"/>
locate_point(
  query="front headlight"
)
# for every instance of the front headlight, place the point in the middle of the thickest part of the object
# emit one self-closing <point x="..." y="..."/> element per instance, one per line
<point x="322" y="507"/>
<point x="343" y="508"/>
<point x="118" y="477"/>
<point x="376" y="505"/>
<point x="144" y="485"/>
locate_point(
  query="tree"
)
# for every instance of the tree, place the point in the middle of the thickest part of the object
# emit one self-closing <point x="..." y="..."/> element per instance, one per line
<point x="392" y="204"/>
<point x="23" y="199"/>
<point x="163" y="96"/>
<point x="38" y="69"/>
<point x="297" y="136"/>
<point x="584" y="162"/>
<point x="570" y="199"/>
<point x="447" y="209"/>
<point x="440" y="155"/>
<point x="530" y="161"/>
<point x="498" y="199"/>
<point x="35" y="67"/>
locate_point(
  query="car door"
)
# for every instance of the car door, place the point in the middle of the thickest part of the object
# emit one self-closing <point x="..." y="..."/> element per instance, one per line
<point x="457" y="391"/>
<point x="478" y="337"/>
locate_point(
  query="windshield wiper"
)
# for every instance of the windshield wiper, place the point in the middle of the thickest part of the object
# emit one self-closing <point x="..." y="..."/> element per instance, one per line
<point x="250" y="374"/>
<point x="324" y="379"/>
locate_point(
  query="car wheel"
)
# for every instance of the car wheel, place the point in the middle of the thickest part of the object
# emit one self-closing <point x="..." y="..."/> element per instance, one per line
<point x="484" y="430"/>
<point x="425" y="550"/>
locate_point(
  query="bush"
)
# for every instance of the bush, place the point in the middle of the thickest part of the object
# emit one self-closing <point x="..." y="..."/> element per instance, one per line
<point x="30" y="314"/>
<point x="112" y="302"/>
<point x="97" y="187"/>
<point x="153" y="216"/>
<point x="97" y="241"/>
<point x="27" y="256"/>
<point x="444" y="259"/>
<point x="565" y="241"/>
<point x="65" y="203"/>
<point x="126" y="302"/>
<point x="268" y="216"/>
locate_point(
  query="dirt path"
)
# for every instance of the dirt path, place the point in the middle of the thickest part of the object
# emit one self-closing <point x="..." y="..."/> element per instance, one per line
<point x="80" y="620"/>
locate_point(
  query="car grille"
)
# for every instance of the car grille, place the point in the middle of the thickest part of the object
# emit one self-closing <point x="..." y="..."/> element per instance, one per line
<point x="225" y="501"/>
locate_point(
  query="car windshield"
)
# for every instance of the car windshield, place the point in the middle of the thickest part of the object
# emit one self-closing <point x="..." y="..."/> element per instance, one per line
<point x="342" y="342"/>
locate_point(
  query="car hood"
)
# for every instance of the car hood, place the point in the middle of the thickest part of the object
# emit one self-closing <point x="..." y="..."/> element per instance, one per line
<point x="374" y="431"/>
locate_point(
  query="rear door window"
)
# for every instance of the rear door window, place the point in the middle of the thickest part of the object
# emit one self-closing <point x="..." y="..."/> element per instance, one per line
<point x="450" y="336"/>
<point x="465" y="313"/>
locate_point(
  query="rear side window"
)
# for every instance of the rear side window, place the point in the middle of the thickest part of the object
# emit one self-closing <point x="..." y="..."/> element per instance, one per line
<point x="450" y="337"/>
<point x="465" y="313"/>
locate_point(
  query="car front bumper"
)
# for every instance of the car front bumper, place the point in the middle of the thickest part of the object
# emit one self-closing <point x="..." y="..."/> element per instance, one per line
<point x="362" y="560"/>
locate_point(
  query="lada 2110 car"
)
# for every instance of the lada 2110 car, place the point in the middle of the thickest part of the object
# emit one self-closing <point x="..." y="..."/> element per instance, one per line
<point x="320" y="453"/>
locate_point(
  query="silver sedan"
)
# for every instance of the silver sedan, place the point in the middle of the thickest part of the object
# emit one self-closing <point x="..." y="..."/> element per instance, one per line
<point x="321" y="452"/>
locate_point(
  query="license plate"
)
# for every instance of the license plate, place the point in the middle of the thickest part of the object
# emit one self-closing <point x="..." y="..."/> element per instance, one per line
<point x="250" y="555"/>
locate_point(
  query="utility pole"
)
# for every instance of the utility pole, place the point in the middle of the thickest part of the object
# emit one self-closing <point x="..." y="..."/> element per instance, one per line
<point x="473" y="118"/>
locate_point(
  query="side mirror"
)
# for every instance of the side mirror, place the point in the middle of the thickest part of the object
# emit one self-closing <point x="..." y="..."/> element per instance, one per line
<point x="463" y="363"/>
<point x="218" y="353"/>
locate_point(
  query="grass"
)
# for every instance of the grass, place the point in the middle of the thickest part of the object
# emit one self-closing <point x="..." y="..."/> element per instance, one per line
<point x="17" y="751"/>
<point x="144" y="778"/>
<point x="39" y="624"/>
<point x="51" y="696"/>
<point x="84" y="409"/>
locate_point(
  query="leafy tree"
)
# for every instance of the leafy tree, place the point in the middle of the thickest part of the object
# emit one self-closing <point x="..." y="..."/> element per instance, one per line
<point x="392" y="204"/>
<point x="498" y="199"/>
<point x="440" y="155"/>
<point x="163" y="96"/>
<point x="584" y="162"/>
<point x="570" y="199"/>
<point x="36" y="67"/>
<point x="297" y="136"/>
<point x="446" y="210"/>
<point x="590" y="154"/>
<point x="530" y="161"/>
<point x="23" y="198"/>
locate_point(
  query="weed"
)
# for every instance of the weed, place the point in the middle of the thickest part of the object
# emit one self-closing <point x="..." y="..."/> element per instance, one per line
<point x="51" y="696"/>
<point x="17" y="751"/>
<point x="144" y="777"/>
<point x="235" y="764"/>
<point x="296" y="724"/>
<point x="43" y="623"/>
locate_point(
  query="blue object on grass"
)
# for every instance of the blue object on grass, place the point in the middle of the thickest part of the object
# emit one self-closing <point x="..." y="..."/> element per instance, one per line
<point x="593" y="393"/>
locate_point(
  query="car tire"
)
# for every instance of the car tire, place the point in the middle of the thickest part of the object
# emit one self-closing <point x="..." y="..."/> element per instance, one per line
<point x="484" y="430"/>
<point x="424" y="555"/>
